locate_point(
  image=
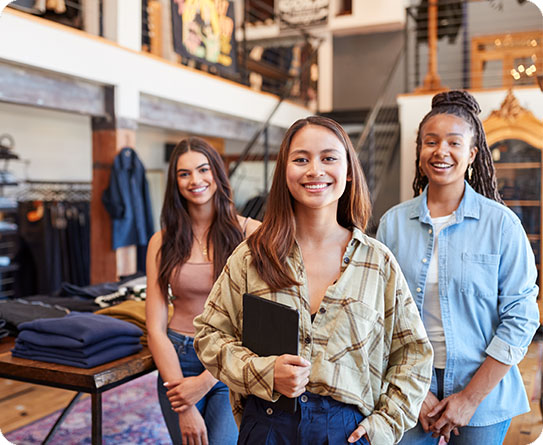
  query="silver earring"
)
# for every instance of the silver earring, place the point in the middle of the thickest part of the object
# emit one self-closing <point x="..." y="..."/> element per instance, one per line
<point x="470" y="172"/>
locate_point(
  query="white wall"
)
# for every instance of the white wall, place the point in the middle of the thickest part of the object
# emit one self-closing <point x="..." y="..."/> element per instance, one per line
<point x="368" y="16"/>
<point x="57" y="145"/>
<point x="413" y="107"/>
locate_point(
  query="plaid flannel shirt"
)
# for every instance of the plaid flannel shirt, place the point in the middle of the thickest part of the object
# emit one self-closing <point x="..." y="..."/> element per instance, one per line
<point x="367" y="344"/>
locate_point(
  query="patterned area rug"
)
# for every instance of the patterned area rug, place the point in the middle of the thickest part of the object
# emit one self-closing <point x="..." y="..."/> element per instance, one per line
<point x="130" y="415"/>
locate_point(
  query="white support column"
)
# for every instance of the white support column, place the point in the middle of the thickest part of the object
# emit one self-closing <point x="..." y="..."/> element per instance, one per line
<point x="127" y="101"/>
<point x="122" y="22"/>
<point x="326" y="73"/>
<point x="91" y="16"/>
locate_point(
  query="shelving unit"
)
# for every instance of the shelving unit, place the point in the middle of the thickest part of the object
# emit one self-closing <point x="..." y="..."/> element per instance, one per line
<point x="520" y="185"/>
<point x="9" y="244"/>
<point x="9" y="233"/>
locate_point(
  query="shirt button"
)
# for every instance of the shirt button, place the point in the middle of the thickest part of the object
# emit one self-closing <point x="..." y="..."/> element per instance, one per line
<point x="322" y="310"/>
<point x="307" y="340"/>
<point x="424" y="260"/>
<point x="303" y="398"/>
<point x="419" y="289"/>
<point x="269" y="411"/>
<point x="346" y="260"/>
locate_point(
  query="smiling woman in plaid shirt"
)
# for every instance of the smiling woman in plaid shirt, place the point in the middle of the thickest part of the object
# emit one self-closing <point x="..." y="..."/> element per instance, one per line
<point x="364" y="363"/>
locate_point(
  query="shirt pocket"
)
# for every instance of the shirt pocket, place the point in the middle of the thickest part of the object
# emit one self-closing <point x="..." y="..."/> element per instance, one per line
<point x="480" y="273"/>
<point x="357" y="332"/>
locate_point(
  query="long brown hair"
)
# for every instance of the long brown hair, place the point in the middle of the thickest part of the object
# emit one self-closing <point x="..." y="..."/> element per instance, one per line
<point x="463" y="105"/>
<point x="272" y="242"/>
<point x="225" y="232"/>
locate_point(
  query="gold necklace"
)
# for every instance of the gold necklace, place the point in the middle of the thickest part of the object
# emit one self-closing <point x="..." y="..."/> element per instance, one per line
<point x="203" y="249"/>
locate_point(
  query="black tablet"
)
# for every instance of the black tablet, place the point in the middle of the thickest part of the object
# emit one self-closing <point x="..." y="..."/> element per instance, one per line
<point x="270" y="328"/>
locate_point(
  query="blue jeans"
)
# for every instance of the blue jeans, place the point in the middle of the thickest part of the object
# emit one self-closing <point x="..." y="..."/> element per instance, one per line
<point x="469" y="435"/>
<point x="319" y="420"/>
<point x="214" y="406"/>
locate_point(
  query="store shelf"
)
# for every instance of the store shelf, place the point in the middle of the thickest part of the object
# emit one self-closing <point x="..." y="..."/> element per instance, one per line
<point x="517" y="165"/>
<point x="522" y="203"/>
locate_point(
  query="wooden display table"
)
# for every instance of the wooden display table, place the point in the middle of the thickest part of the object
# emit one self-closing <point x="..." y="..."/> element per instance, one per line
<point x="93" y="381"/>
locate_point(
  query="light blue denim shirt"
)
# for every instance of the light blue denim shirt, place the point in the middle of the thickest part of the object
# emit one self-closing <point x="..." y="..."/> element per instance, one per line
<point x="487" y="291"/>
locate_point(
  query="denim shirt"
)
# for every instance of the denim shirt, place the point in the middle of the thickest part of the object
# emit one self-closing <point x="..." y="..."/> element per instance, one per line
<point x="487" y="291"/>
<point x="128" y="202"/>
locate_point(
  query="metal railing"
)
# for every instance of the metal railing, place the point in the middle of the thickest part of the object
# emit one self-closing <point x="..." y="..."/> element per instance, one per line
<point x="461" y="25"/>
<point x="378" y="142"/>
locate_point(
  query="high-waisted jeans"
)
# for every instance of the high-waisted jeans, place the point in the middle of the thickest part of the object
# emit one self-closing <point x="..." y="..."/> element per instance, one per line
<point x="319" y="420"/>
<point x="214" y="406"/>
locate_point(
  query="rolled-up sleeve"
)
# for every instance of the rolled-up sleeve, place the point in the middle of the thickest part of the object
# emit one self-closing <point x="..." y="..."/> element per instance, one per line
<point x="517" y="293"/>
<point x="217" y="339"/>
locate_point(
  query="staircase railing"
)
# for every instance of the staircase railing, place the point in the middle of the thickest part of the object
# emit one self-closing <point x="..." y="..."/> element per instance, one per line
<point x="379" y="139"/>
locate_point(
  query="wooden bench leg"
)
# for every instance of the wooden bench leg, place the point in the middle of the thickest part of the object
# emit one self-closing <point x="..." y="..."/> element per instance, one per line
<point x="64" y="413"/>
<point x="96" y="419"/>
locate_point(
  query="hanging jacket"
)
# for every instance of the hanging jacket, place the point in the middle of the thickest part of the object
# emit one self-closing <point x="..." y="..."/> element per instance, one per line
<point x="127" y="201"/>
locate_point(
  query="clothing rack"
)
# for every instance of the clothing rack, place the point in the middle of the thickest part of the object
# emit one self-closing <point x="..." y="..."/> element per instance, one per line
<point x="54" y="228"/>
<point x="67" y="191"/>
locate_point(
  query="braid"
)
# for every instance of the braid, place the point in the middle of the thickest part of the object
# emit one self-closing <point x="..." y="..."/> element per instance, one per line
<point x="463" y="105"/>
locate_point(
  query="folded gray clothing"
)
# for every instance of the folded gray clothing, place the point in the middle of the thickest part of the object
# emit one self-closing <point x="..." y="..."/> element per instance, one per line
<point x="16" y="312"/>
<point x="72" y="303"/>
<point x="85" y="351"/>
<point x="76" y="330"/>
<point x="100" y="358"/>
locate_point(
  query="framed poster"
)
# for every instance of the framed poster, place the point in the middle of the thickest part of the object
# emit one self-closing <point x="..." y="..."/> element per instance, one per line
<point x="204" y="30"/>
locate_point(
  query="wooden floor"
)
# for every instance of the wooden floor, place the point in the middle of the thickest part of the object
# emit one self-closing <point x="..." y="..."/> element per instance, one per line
<point x="23" y="403"/>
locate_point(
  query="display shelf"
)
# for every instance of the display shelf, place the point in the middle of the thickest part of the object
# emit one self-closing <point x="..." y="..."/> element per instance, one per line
<point x="517" y="165"/>
<point x="520" y="203"/>
<point x="9" y="245"/>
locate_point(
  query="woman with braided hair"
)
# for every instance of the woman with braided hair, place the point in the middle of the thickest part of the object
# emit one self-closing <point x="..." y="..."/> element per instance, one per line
<point x="472" y="273"/>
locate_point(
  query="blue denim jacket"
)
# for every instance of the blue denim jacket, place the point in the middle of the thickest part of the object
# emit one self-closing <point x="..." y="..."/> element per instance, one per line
<point x="487" y="291"/>
<point x="127" y="201"/>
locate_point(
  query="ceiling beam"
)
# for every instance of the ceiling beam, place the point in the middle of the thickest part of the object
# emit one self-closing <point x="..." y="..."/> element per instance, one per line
<point x="164" y="113"/>
<point x="28" y="86"/>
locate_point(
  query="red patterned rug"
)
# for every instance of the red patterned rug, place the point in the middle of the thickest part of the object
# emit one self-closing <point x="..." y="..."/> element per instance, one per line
<point x="130" y="415"/>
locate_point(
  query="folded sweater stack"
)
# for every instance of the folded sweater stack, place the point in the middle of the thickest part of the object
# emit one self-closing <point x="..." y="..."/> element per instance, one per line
<point x="78" y="339"/>
<point x="133" y="312"/>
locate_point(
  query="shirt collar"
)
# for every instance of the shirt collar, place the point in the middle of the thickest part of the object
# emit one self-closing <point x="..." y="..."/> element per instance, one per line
<point x="469" y="206"/>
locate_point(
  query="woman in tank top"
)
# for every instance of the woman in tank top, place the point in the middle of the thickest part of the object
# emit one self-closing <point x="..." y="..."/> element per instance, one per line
<point x="200" y="229"/>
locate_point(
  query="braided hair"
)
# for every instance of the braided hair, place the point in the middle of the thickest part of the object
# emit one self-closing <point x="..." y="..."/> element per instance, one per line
<point x="463" y="105"/>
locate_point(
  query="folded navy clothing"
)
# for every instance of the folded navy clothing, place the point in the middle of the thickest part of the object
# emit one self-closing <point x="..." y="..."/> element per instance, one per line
<point x="92" y="291"/>
<point x="85" y="351"/>
<point x="76" y="330"/>
<point x="102" y="357"/>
